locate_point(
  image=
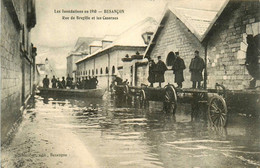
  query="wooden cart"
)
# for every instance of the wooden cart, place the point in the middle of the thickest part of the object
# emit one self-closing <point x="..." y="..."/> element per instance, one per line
<point x="216" y="101"/>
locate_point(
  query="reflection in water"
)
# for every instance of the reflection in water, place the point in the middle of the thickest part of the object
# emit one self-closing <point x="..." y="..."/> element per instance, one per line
<point x="132" y="137"/>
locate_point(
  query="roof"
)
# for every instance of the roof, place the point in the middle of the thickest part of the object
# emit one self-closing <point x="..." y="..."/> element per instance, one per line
<point x="132" y="37"/>
<point x="196" y="18"/>
<point x="201" y="16"/>
<point x="83" y="43"/>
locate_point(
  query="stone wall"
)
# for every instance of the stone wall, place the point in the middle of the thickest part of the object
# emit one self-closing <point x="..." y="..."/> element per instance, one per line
<point x="227" y="45"/>
<point x="142" y="75"/>
<point x="16" y="66"/>
<point x="176" y="37"/>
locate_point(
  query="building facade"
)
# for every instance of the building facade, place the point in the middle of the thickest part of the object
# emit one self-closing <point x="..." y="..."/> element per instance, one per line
<point x="173" y="35"/>
<point x="106" y="62"/>
<point x="227" y="44"/>
<point x="17" y="61"/>
<point x="219" y="35"/>
<point x="81" y="49"/>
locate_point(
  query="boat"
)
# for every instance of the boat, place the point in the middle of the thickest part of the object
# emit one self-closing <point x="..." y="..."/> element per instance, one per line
<point x="92" y="93"/>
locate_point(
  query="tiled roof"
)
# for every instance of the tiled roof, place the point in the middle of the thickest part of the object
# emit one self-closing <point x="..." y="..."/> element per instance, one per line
<point x="201" y="16"/>
<point x="199" y="19"/>
<point x="198" y="16"/>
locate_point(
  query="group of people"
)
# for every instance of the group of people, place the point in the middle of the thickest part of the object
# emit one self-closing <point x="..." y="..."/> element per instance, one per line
<point x="157" y="70"/>
<point x="85" y="83"/>
<point x="57" y="83"/>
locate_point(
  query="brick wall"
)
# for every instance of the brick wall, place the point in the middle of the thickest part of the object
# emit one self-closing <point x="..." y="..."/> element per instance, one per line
<point x="14" y="79"/>
<point x="11" y="77"/>
<point x="176" y="37"/>
<point x="227" y="45"/>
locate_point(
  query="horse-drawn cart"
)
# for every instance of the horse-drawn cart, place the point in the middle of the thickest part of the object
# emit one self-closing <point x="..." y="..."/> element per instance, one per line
<point x="216" y="101"/>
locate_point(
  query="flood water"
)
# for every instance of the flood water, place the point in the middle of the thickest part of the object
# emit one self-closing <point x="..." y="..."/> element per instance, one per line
<point x="126" y="137"/>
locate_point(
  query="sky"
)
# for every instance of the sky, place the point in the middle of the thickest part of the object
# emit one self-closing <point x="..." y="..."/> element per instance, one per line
<point x="51" y="30"/>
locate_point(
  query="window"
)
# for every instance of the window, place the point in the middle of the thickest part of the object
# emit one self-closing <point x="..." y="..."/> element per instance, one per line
<point x="113" y="70"/>
<point x="148" y="38"/>
<point x="96" y="71"/>
<point x="101" y="71"/>
<point x="170" y="59"/>
<point x="88" y="72"/>
<point x="107" y="70"/>
<point x="92" y="71"/>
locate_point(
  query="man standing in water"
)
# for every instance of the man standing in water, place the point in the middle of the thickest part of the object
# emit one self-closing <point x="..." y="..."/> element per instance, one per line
<point x="178" y="67"/>
<point x="196" y="67"/>
<point x="160" y="70"/>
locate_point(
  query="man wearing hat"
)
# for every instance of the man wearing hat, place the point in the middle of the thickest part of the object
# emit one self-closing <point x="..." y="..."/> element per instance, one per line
<point x="160" y="69"/>
<point x="178" y="67"/>
<point x="196" y="67"/>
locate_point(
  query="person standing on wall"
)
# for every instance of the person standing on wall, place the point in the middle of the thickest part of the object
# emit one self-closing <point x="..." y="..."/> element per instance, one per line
<point x="151" y="77"/>
<point x="46" y="82"/>
<point x="178" y="67"/>
<point x="160" y="69"/>
<point x="196" y="67"/>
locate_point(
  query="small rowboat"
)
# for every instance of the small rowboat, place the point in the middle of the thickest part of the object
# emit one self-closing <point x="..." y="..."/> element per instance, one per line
<point x="92" y="93"/>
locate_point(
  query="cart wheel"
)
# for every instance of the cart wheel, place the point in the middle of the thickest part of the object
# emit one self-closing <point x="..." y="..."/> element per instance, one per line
<point x="170" y="102"/>
<point x="217" y="111"/>
<point x="144" y="103"/>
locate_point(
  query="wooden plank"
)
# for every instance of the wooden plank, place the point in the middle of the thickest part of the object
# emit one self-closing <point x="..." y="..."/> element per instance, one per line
<point x="190" y="90"/>
<point x="72" y="92"/>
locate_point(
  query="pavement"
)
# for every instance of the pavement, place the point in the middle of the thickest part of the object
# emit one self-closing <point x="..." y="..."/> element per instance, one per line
<point x="41" y="143"/>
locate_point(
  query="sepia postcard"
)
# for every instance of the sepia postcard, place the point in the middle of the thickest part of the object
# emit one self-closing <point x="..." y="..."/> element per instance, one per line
<point x="130" y="83"/>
